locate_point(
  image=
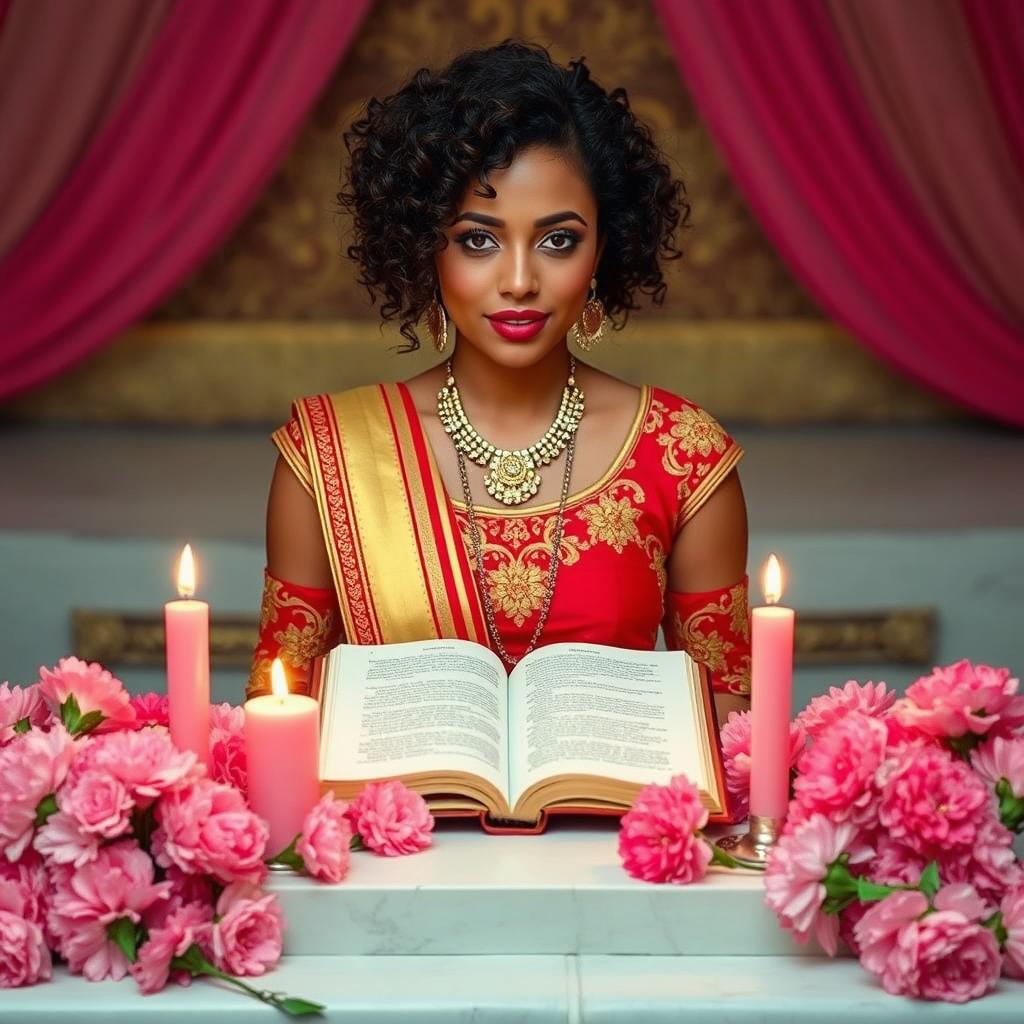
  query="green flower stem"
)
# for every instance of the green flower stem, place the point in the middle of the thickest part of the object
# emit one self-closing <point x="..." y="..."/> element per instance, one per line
<point x="195" y="963"/>
<point x="289" y="857"/>
<point x="719" y="856"/>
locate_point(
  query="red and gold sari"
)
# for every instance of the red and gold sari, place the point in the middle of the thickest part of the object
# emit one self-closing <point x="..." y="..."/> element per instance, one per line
<point x="400" y="549"/>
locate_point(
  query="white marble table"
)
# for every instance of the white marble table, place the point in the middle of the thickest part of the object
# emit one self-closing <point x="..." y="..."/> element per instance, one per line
<point x="527" y="929"/>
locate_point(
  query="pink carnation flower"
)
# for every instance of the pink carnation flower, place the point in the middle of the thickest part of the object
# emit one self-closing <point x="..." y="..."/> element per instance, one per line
<point x="146" y="762"/>
<point x="63" y="841"/>
<point x="1001" y="758"/>
<point x="118" y="884"/>
<point x="324" y="842"/>
<point x="17" y="703"/>
<point x="1013" y="921"/>
<point x="228" y="760"/>
<point x="391" y="819"/>
<point x="32" y="767"/>
<point x="837" y="772"/>
<point x="28" y="876"/>
<point x="794" y="878"/>
<point x="24" y="955"/>
<point x="660" y="838"/>
<point x="945" y="955"/>
<point x="247" y="934"/>
<point x="989" y="865"/>
<point x="932" y="802"/>
<point x="961" y="698"/>
<point x="735" y="736"/>
<point x="228" y="718"/>
<point x="183" y="927"/>
<point x="872" y="699"/>
<point x="151" y="709"/>
<point x="207" y="827"/>
<point x="95" y="689"/>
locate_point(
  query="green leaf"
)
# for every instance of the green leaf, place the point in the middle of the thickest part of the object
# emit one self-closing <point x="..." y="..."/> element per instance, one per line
<point x="45" y="807"/>
<point x="299" y="1007"/>
<point x="289" y="856"/>
<point x="88" y="722"/>
<point x="871" y="892"/>
<point x="22" y="725"/>
<point x="70" y="713"/>
<point x="929" y="882"/>
<point x="356" y="842"/>
<point x="192" y="960"/>
<point x="995" y="923"/>
<point x="122" y="933"/>
<point x="1011" y="808"/>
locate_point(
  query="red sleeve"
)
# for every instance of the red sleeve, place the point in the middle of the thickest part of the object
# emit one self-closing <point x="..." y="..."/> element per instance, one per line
<point x="297" y="624"/>
<point x="713" y="627"/>
<point x="696" y="451"/>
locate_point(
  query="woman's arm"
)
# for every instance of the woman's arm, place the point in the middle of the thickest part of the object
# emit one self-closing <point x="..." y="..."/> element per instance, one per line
<point x="710" y="553"/>
<point x="295" y="543"/>
<point x="299" y="617"/>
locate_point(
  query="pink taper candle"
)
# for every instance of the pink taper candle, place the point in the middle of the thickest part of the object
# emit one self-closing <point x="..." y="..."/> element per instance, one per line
<point x="282" y="736"/>
<point x="771" y="688"/>
<point x="187" y="626"/>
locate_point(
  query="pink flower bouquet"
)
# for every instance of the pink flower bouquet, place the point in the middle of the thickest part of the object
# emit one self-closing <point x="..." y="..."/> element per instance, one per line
<point x="899" y="835"/>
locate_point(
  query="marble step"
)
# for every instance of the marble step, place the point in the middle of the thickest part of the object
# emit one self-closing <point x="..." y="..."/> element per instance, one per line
<point x="507" y="989"/>
<point x="563" y="892"/>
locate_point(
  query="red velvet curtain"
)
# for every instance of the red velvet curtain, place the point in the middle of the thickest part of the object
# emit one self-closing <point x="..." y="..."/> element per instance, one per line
<point x="135" y="137"/>
<point x="881" y="145"/>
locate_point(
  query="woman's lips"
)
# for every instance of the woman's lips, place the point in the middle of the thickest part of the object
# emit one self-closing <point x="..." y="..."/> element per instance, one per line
<point x="518" y="332"/>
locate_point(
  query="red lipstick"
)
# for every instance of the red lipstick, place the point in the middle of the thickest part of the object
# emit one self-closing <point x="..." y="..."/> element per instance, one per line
<point x="518" y="324"/>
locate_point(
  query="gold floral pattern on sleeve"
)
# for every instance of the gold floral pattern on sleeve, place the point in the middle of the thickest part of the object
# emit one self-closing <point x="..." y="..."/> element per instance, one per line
<point x="713" y="627"/>
<point x="297" y="624"/>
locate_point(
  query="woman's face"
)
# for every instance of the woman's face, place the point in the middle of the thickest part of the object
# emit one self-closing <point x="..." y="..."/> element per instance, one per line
<point x="533" y="247"/>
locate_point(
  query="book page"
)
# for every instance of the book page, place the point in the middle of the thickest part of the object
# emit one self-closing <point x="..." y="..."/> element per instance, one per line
<point x="394" y="709"/>
<point x="595" y="710"/>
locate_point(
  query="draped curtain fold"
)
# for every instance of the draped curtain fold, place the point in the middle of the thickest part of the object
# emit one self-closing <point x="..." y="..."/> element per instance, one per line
<point x="880" y="145"/>
<point x="137" y="136"/>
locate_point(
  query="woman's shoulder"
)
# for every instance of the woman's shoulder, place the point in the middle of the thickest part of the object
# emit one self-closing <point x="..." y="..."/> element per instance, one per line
<point x="687" y="448"/>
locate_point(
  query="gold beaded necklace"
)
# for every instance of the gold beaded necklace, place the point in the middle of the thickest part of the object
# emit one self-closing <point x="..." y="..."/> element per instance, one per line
<point x="512" y="477"/>
<point x="556" y="544"/>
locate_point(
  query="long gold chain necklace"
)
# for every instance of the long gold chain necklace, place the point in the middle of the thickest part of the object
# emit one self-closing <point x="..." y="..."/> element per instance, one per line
<point x="556" y="546"/>
<point x="512" y="476"/>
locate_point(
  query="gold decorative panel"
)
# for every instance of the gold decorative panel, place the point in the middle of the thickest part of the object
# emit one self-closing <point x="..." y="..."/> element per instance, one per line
<point x="897" y="636"/>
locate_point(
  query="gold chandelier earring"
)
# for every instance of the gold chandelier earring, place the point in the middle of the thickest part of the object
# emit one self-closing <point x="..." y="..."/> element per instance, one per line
<point x="589" y="327"/>
<point x="437" y="323"/>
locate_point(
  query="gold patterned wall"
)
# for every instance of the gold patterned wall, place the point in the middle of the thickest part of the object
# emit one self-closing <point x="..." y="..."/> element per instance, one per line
<point x="284" y="261"/>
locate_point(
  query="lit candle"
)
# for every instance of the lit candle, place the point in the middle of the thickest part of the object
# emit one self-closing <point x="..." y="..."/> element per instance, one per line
<point x="281" y="745"/>
<point x="187" y="626"/>
<point x="771" y="688"/>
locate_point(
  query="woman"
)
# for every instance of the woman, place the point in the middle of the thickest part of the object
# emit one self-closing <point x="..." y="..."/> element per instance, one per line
<point x="511" y="203"/>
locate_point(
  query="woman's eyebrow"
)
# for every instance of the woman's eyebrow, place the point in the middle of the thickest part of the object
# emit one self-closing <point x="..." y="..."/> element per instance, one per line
<point x="551" y="218"/>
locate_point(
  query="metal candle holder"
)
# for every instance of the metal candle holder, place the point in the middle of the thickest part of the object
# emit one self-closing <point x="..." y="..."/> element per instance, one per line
<point x="752" y="849"/>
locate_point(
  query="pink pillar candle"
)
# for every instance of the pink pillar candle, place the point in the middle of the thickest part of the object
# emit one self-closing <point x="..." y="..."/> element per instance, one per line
<point x="771" y="690"/>
<point x="187" y="631"/>
<point x="282" y="751"/>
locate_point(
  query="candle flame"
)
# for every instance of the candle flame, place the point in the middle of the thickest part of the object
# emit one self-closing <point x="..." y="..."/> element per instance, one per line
<point x="771" y="580"/>
<point x="186" y="573"/>
<point x="278" y="680"/>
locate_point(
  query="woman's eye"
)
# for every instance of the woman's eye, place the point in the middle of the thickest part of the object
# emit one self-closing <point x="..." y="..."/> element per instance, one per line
<point x="568" y="240"/>
<point x="465" y="240"/>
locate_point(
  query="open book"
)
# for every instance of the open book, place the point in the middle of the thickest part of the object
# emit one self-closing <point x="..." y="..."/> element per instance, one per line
<point x="574" y="727"/>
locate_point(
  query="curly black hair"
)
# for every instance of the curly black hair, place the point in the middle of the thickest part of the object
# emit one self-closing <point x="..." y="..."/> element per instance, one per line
<point x="413" y="154"/>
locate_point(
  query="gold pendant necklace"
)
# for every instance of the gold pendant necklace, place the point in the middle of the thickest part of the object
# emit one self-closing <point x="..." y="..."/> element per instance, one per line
<point x="512" y="477"/>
